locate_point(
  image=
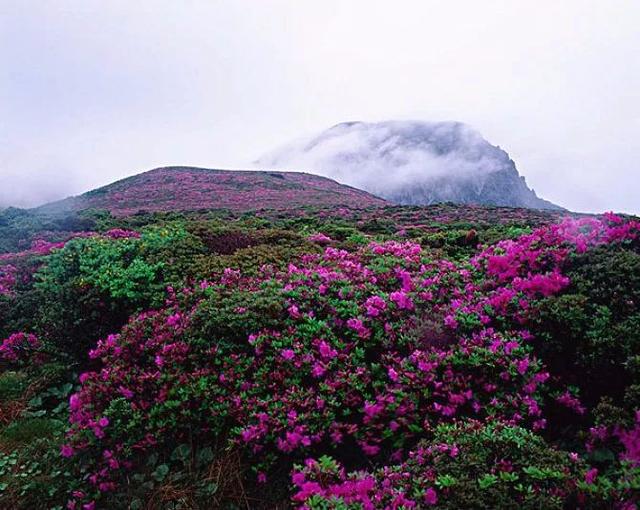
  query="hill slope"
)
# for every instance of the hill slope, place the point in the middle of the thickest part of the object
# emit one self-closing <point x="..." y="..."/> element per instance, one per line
<point x="412" y="163"/>
<point x="188" y="188"/>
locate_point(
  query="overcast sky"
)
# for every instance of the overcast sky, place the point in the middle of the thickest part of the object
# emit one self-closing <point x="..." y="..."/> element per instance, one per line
<point x="94" y="90"/>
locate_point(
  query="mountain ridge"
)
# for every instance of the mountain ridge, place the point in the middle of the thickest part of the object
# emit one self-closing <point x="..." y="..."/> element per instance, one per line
<point x="412" y="163"/>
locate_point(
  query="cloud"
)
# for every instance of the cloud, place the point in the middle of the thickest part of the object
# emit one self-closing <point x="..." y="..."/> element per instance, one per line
<point x="101" y="90"/>
<point x="388" y="157"/>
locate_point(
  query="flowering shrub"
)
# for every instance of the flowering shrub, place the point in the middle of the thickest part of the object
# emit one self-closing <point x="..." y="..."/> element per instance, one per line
<point x="7" y="280"/>
<point x="324" y="357"/>
<point x="472" y="465"/>
<point x="320" y="238"/>
<point x="93" y="284"/>
<point x="18" y="348"/>
<point x="341" y="371"/>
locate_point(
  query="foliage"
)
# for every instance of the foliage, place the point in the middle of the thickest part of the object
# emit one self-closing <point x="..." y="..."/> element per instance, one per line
<point x="323" y="359"/>
<point x="470" y="465"/>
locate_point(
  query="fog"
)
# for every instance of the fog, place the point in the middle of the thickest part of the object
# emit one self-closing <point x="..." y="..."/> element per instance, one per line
<point x="93" y="91"/>
<point x="383" y="158"/>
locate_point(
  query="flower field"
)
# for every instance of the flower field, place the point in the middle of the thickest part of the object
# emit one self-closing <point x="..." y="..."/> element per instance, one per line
<point x="187" y="188"/>
<point x="390" y="357"/>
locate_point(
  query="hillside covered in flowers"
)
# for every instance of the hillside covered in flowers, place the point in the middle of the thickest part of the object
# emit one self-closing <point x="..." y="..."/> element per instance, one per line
<point x="189" y="188"/>
<point x="320" y="358"/>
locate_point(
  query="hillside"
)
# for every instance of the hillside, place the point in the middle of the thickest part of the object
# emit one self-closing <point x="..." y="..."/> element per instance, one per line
<point x="325" y="358"/>
<point x="412" y="163"/>
<point x="188" y="188"/>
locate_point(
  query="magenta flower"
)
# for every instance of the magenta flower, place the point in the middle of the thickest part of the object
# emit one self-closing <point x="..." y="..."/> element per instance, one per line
<point x="287" y="354"/>
<point x="430" y="497"/>
<point x="66" y="450"/>
<point x="591" y="475"/>
<point x="402" y="300"/>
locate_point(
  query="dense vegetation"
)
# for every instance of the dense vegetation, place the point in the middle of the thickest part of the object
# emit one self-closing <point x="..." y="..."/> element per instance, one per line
<point x="447" y="357"/>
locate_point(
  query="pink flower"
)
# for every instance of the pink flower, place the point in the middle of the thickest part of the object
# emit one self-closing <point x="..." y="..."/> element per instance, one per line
<point x="66" y="450"/>
<point x="326" y="351"/>
<point x="359" y="328"/>
<point x="451" y="322"/>
<point x="522" y="366"/>
<point x="591" y="475"/>
<point x="402" y="300"/>
<point x="287" y="354"/>
<point x="294" y="312"/>
<point x="319" y="238"/>
<point x="370" y="449"/>
<point x="74" y="402"/>
<point x="375" y="305"/>
<point x="430" y="497"/>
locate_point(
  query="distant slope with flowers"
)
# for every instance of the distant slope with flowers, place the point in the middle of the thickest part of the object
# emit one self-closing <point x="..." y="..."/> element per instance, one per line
<point x="189" y="188"/>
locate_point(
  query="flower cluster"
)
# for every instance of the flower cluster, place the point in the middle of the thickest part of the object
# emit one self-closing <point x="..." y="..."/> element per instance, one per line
<point x="431" y="475"/>
<point x="119" y="233"/>
<point x="19" y="347"/>
<point x="320" y="238"/>
<point x="364" y="355"/>
<point x="7" y="279"/>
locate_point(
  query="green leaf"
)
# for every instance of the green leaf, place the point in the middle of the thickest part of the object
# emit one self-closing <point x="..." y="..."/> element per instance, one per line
<point x="205" y="456"/>
<point x="487" y="481"/>
<point x="161" y="472"/>
<point x="182" y="453"/>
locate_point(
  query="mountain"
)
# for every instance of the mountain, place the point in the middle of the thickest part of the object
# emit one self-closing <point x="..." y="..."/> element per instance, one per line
<point x="188" y="188"/>
<point x="412" y="163"/>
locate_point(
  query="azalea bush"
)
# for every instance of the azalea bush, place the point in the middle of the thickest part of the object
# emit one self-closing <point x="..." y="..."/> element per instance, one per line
<point x="470" y="465"/>
<point x="321" y="362"/>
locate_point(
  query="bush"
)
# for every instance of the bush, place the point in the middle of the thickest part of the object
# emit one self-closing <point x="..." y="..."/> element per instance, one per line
<point x="592" y="331"/>
<point x="468" y="465"/>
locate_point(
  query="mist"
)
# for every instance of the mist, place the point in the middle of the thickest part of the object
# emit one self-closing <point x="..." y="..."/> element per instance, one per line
<point x="94" y="91"/>
<point x="383" y="158"/>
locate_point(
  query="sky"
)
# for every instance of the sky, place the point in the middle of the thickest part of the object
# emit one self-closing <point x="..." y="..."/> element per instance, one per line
<point x="93" y="90"/>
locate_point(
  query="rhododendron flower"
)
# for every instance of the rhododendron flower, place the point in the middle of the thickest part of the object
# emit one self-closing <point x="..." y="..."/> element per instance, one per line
<point x="571" y="402"/>
<point x="451" y="322"/>
<point x="375" y="305"/>
<point x="18" y="347"/>
<point x="591" y="475"/>
<point x="66" y="450"/>
<point x="287" y="354"/>
<point x="522" y="366"/>
<point x="358" y="327"/>
<point x="402" y="300"/>
<point x="294" y="312"/>
<point x="430" y="496"/>
<point x="119" y="233"/>
<point x="8" y="280"/>
<point x="326" y="351"/>
<point x="320" y="238"/>
<point x="370" y="449"/>
<point x="630" y="439"/>
<point x="372" y="410"/>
